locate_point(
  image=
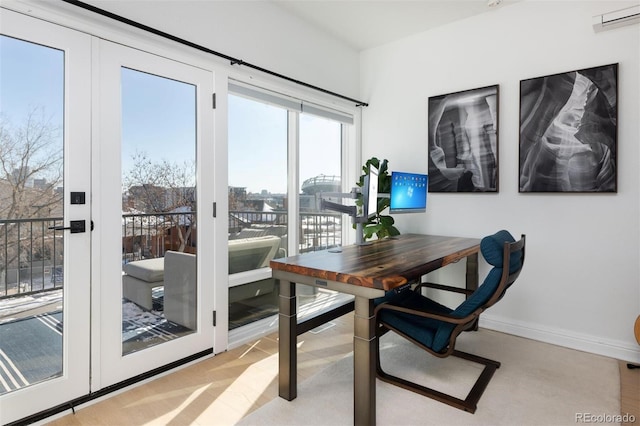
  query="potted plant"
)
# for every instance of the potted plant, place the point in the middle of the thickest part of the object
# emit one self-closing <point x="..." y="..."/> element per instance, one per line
<point x="380" y="225"/>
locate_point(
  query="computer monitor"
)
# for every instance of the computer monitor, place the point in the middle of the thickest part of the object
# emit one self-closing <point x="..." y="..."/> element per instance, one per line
<point x="408" y="192"/>
<point x="370" y="193"/>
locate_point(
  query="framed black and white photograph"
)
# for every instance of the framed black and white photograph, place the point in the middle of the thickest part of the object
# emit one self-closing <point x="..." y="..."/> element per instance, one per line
<point x="568" y="131"/>
<point x="463" y="141"/>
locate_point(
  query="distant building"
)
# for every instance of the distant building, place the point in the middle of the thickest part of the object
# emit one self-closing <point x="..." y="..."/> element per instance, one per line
<point x="40" y="184"/>
<point x="22" y="175"/>
<point x="316" y="185"/>
<point x="237" y="197"/>
<point x="240" y="200"/>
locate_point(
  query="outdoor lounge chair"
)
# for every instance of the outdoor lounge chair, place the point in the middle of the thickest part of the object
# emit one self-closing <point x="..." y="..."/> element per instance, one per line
<point x="140" y="277"/>
<point x="180" y="288"/>
<point x="248" y="254"/>
<point x="245" y="254"/>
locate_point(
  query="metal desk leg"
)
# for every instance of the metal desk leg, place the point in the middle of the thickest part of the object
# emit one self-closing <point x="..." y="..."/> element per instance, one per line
<point x="287" y="339"/>
<point x="472" y="271"/>
<point x="364" y="363"/>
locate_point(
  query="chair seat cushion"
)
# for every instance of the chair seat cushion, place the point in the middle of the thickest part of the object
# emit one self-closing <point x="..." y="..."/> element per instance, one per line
<point x="424" y="330"/>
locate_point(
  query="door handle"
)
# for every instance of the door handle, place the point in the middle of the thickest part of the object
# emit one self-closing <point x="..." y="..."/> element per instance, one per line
<point x="75" y="226"/>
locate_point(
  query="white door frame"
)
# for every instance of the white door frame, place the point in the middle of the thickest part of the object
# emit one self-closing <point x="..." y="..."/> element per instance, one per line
<point x="74" y="381"/>
<point x="112" y="367"/>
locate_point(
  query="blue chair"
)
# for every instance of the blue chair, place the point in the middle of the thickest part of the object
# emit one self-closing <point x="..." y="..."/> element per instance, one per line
<point x="435" y="327"/>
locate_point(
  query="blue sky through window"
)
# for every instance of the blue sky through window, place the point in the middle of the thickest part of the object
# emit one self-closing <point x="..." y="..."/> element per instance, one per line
<point x="31" y="78"/>
<point x="31" y="91"/>
<point x="159" y="119"/>
<point x="258" y="146"/>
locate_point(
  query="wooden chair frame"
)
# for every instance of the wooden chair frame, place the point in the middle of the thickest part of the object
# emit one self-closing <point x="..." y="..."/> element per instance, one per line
<point x="468" y="322"/>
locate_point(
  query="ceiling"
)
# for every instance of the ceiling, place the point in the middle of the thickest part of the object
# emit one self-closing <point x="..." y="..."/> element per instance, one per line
<point x="363" y="24"/>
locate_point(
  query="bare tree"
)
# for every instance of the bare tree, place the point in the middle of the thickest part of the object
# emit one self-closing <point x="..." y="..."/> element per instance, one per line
<point x="31" y="171"/>
<point x="31" y="167"/>
<point x="163" y="187"/>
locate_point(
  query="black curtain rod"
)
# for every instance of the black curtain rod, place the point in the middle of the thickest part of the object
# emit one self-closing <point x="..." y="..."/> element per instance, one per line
<point x="232" y="60"/>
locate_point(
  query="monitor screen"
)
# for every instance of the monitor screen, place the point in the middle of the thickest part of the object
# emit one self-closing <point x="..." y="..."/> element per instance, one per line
<point x="370" y="201"/>
<point x="408" y="192"/>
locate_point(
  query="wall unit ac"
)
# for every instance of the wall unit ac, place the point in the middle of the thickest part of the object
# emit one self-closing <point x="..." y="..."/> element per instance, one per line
<point x="617" y="18"/>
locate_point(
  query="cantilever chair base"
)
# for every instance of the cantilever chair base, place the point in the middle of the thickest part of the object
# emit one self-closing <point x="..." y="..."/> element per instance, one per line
<point x="470" y="403"/>
<point x="435" y="327"/>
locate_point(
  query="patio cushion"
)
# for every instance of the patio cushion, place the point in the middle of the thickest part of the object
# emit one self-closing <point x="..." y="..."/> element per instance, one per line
<point x="150" y="270"/>
<point x="247" y="254"/>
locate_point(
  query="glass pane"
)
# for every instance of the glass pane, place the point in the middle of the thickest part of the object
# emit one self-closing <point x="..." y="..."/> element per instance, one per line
<point x="31" y="201"/>
<point x="320" y="171"/>
<point x="158" y="209"/>
<point x="257" y="206"/>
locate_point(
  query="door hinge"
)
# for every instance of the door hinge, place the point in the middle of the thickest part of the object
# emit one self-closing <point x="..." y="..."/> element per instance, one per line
<point x="214" y="318"/>
<point x="213" y="99"/>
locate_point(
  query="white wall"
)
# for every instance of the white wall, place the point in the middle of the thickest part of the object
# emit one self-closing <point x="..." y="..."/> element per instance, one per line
<point x="258" y="32"/>
<point x="580" y="284"/>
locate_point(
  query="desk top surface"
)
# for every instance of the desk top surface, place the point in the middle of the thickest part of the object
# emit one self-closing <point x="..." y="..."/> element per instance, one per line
<point x="383" y="264"/>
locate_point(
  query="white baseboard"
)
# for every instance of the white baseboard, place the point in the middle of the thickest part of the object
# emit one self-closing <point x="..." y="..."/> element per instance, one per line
<point x="586" y="343"/>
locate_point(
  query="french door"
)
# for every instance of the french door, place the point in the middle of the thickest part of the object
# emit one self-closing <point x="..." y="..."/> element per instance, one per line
<point x="107" y="236"/>
<point x="153" y="170"/>
<point x="45" y="183"/>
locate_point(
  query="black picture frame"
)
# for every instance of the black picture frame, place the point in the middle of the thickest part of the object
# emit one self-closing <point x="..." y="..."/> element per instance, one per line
<point x="463" y="141"/>
<point x="568" y="131"/>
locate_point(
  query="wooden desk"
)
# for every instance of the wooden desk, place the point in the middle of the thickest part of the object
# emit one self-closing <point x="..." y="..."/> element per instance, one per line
<point x="366" y="272"/>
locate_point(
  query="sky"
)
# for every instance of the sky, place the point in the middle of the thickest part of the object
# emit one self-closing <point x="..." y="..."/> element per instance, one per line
<point x="31" y="77"/>
<point x="159" y="120"/>
<point x="258" y="146"/>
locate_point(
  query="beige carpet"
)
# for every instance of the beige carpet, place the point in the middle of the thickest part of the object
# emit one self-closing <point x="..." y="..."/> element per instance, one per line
<point x="537" y="384"/>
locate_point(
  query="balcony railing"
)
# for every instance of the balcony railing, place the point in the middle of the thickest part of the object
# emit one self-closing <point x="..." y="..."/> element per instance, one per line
<point x="317" y="231"/>
<point x="32" y="255"/>
<point x="149" y="235"/>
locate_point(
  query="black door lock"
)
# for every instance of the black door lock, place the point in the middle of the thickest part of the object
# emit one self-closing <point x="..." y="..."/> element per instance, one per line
<point x="78" y="198"/>
<point x="75" y="226"/>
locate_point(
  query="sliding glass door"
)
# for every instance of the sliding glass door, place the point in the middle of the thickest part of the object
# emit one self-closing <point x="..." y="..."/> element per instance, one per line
<point x="258" y="230"/>
<point x="320" y="157"/>
<point x="283" y="152"/>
